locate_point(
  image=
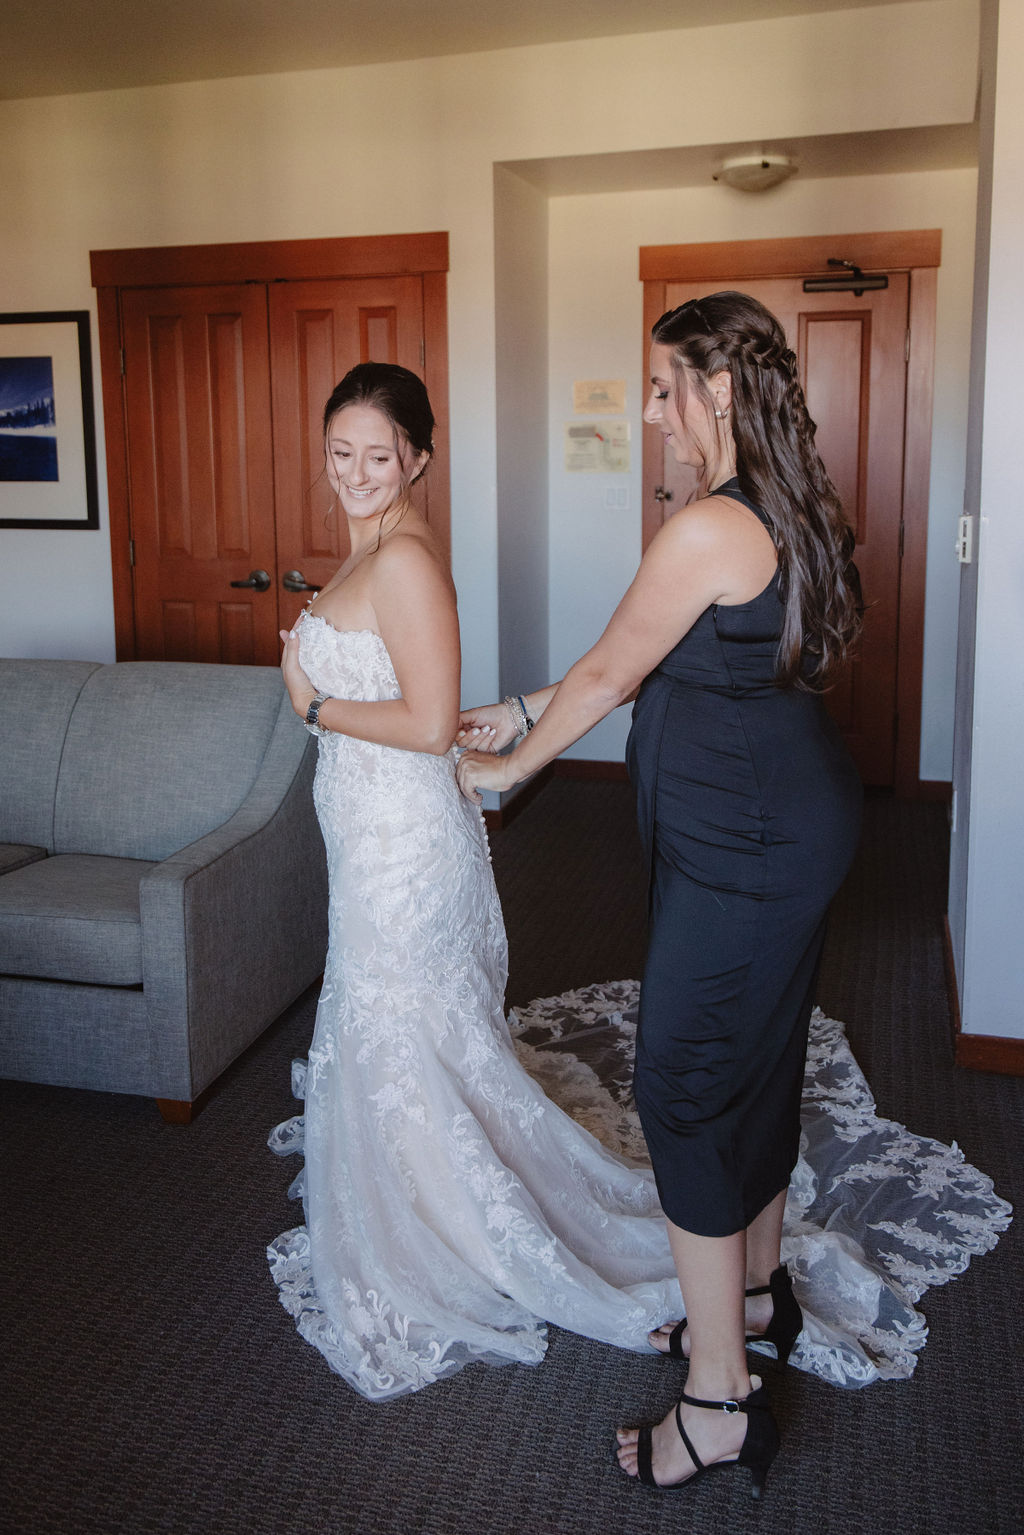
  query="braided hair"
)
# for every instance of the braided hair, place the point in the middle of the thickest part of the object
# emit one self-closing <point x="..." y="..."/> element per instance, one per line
<point x="779" y="470"/>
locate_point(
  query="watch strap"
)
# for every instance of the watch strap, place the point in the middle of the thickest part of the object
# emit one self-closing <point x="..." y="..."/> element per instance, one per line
<point x="312" y="720"/>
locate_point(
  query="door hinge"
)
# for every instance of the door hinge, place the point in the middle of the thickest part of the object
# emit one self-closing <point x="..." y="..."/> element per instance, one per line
<point x="906" y="346"/>
<point x="131" y="551"/>
<point x="122" y="363"/>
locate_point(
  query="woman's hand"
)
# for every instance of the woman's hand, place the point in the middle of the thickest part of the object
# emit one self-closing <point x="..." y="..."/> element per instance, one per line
<point x="488" y="728"/>
<point x="483" y="770"/>
<point x="300" y="690"/>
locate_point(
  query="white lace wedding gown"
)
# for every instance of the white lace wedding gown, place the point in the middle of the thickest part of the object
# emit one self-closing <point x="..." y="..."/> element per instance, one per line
<point x="452" y="1207"/>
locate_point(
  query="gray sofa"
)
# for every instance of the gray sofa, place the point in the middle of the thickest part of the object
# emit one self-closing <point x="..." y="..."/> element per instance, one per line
<point x="163" y="887"/>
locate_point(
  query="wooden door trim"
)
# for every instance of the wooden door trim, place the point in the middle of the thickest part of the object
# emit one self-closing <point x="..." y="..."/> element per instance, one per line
<point x="917" y="252"/>
<point x="115" y="434"/>
<point x="799" y="256"/>
<point x="424" y="255"/>
<point x="435" y="376"/>
<point x="167" y="266"/>
<point x="917" y="453"/>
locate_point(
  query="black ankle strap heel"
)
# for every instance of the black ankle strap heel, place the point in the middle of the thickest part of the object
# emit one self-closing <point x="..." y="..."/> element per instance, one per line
<point x="783" y="1329"/>
<point x="787" y="1318"/>
<point x="760" y="1443"/>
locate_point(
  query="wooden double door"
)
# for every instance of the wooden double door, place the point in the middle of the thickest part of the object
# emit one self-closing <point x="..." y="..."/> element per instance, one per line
<point x="232" y="523"/>
<point x="853" y="351"/>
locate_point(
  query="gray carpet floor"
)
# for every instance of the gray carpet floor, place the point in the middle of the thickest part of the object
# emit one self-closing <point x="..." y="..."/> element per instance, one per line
<point x="152" y="1382"/>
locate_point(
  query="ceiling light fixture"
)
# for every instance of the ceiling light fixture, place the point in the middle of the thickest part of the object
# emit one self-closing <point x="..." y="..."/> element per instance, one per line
<point x="755" y="173"/>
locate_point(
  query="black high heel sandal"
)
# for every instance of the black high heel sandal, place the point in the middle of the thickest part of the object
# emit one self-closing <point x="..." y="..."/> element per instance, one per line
<point x="787" y="1318"/>
<point x="760" y="1443"/>
<point x="783" y="1329"/>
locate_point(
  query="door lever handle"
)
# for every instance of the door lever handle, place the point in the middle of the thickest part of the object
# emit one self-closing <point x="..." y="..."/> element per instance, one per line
<point x="661" y="494"/>
<point x="257" y="579"/>
<point x="295" y="581"/>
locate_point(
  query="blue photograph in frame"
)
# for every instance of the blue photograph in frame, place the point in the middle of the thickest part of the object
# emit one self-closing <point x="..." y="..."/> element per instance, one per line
<point x="47" y="424"/>
<point x="28" y="427"/>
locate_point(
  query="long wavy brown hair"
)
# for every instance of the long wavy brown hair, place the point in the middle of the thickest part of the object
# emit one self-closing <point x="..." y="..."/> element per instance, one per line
<point x="779" y="469"/>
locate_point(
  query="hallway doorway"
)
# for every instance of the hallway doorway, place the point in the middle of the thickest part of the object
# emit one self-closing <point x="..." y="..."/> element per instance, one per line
<point x="866" y="367"/>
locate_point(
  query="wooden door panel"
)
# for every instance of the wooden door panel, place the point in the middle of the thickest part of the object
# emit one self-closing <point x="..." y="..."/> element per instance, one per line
<point x="851" y="353"/>
<point x="319" y="330"/>
<point x="200" y="468"/>
<point x="835" y="355"/>
<point x="227" y="271"/>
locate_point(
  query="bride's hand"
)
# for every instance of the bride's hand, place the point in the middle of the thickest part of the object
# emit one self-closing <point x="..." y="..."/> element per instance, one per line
<point x="483" y="770"/>
<point x="488" y="728"/>
<point x="300" y="690"/>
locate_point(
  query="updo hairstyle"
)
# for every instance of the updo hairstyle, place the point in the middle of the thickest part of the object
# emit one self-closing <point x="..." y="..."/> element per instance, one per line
<point x="397" y="393"/>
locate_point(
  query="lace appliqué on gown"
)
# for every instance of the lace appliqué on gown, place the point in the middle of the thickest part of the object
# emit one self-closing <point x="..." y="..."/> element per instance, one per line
<point x="464" y="1184"/>
<point x="875" y="1215"/>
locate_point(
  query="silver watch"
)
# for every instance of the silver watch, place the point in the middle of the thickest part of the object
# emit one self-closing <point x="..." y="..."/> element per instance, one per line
<point x="312" y="721"/>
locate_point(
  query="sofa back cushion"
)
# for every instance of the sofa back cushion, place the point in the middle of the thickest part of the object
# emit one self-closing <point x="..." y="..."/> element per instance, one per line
<point x="36" y="700"/>
<point x="158" y="753"/>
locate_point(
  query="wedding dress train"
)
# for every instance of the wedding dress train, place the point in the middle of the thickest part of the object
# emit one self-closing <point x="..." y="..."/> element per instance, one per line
<point x="466" y="1182"/>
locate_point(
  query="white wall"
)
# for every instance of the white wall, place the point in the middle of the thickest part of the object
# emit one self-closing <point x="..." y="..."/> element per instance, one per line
<point x="596" y="318"/>
<point x="987" y="873"/>
<point x="405" y="147"/>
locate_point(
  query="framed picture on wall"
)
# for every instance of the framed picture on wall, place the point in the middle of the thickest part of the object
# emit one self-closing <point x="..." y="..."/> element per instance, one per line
<point x="47" y="423"/>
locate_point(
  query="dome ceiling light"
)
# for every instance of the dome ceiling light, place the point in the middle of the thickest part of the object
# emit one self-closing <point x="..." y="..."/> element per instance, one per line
<point x="755" y="173"/>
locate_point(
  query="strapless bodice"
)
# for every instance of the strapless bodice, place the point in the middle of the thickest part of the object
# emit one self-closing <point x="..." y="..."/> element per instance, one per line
<point x="346" y="663"/>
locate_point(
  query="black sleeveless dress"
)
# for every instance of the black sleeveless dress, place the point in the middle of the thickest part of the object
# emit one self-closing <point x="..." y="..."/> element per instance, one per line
<point x="749" y="807"/>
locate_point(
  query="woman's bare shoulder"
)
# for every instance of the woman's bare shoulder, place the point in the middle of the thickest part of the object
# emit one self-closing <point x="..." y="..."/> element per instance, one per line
<point x="715" y="520"/>
<point x="410" y="556"/>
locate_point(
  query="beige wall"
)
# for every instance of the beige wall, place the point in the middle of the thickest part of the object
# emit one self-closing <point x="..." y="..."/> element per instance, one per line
<point x="521" y="399"/>
<point x="411" y="147"/>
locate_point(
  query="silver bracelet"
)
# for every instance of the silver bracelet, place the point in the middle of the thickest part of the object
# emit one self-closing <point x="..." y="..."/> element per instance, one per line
<point x="522" y="724"/>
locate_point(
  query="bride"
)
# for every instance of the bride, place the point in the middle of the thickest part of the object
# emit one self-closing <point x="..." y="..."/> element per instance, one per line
<point x="451" y="1207"/>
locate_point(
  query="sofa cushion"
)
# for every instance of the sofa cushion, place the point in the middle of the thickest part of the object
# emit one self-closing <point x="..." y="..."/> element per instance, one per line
<point x="73" y="917"/>
<point x="14" y="855"/>
<point x="36" y="700"/>
<point x="158" y="753"/>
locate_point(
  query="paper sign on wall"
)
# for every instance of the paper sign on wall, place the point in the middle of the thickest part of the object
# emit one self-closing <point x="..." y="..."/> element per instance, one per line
<point x="593" y="396"/>
<point x="597" y="447"/>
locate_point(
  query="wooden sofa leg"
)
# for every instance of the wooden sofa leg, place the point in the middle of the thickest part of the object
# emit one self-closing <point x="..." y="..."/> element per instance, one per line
<point x="176" y="1111"/>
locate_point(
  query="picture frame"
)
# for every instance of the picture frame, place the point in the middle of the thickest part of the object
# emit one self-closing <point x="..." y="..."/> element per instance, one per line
<point x="47" y="421"/>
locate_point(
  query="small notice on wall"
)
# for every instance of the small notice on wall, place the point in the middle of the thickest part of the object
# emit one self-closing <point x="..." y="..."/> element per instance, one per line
<point x="593" y="396"/>
<point x="597" y="447"/>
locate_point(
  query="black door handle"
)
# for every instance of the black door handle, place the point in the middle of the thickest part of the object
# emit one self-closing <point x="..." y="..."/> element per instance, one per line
<point x="257" y="579"/>
<point x="295" y="581"/>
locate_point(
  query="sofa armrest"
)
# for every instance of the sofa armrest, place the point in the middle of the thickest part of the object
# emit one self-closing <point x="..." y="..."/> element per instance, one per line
<point x="234" y="926"/>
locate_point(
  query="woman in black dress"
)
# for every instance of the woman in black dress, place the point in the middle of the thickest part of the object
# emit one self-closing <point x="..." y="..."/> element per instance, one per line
<point x="749" y="808"/>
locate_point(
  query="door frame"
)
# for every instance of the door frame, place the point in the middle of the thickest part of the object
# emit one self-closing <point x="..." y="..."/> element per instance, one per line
<point x="262" y="261"/>
<point x="917" y="252"/>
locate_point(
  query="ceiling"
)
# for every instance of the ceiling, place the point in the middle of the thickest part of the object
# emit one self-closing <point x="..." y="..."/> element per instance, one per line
<point x="951" y="146"/>
<point x="61" y="47"/>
